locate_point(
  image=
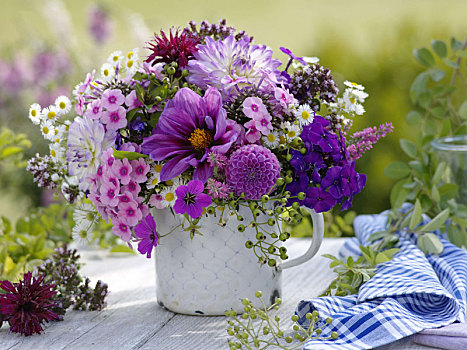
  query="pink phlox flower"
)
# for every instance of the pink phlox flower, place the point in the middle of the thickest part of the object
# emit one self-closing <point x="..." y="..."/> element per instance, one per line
<point x="284" y="97"/>
<point x="140" y="169"/>
<point x="129" y="213"/>
<point x="87" y="82"/>
<point x="94" y="110"/>
<point x="122" y="170"/>
<point x="156" y="201"/>
<point x="115" y="119"/>
<point x="263" y="123"/>
<point x="144" y="209"/>
<point x="130" y="147"/>
<point x="112" y="99"/>
<point x="108" y="157"/>
<point x="191" y="199"/>
<point x="133" y="188"/>
<point x="110" y="180"/>
<point x="79" y="106"/>
<point x="132" y="101"/>
<point x="126" y="197"/>
<point x="252" y="134"/>
<point x="92" y="183"/>
<point x="121" y="229"/>
<point x="147" y="235"/>
<point x="254" y="108"/>
<point x="109" y="195"/>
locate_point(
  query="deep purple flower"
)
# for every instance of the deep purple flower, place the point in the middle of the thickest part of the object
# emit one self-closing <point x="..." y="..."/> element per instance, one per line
<point x="27" y="304"/>
<point x="292" y="56"/>
<point x="333" y="182"/>
<point x="189" y="128"/>
<point x="253" y="170"/>
<point x="191" y="199"/>
<point x="318" y="199"/>
<point x="146" y="230"/>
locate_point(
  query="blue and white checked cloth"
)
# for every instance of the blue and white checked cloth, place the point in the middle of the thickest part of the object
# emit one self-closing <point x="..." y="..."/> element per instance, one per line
<point x="408" y="294"/>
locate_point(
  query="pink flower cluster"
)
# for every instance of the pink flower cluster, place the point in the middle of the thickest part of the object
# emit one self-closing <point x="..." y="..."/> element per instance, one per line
<point x="260" y="122"/>
<point x="115" y="189"/>
<point x="364" y="140"/>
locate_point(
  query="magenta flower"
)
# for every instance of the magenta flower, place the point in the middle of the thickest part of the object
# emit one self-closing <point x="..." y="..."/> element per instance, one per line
<point x="189" y="128"/>
<point x="115" y="119"/>
<point x="191" y="199"/>
<point x="112" y="99"/>
<point x="121" y="229"/>
<point x="253" y="107"/>
<point x="94" y="110"/>
<point x="122" y="170"/>
<point x="140" y="169"/>
<point x="27" y="304"/>
<point x="129" y="213"/>
<point x="146" y="231"/>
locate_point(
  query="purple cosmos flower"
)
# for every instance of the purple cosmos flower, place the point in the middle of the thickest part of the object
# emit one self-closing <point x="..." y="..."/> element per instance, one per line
<point x="146" y="231"/>
<point x="114" y="119"/>
<point x="333" y="182"/>
<point x="252" y="169"/>
<point x="231" y="65"/>
<point x="189" y="128"/>
<point x="191" y="199"/>
<point x="292" y="56"/>
<point x="112" y="99"/>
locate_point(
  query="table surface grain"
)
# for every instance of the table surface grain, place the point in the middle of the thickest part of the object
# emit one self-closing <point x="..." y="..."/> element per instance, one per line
<point x="134" y="320"/>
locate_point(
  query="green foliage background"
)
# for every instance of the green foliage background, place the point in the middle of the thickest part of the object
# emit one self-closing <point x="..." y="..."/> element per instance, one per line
<point x="366" y="41"/>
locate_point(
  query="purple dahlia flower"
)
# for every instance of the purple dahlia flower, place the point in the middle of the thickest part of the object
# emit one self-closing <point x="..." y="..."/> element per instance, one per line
<point x="230" y="65"/>
<point x="252" y="169"/>
<point x="189" y="128"/>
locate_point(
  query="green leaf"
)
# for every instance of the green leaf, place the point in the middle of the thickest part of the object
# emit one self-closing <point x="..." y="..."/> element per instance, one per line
<point x="440" y="169"/>
<point x="463" y="110"/>
<point x="456" y="236"/>
<point x="408" y="147"/>
<point x="413" y="118"/>
<point x="418" y="86"/>
<point x="121" y="248"/>
<point x="416" y="217"/>
<point x="436" y="74"/>
<point x="436" y="222"/>
<point x="10" y="151"/>
<point x="397" y="170"/>
<point x="455" y="44"/>
<point x="424" y="56"/>
<point x="429" y="243"/>
<point x="128" y="155"/>
<point x="450" y="63"/>
<point x="381" y="258"/>
<point x="399" y="194"/>
<point x="448" y="191"/>
<point x="440" y="48"/>
<point x="462" y="54"/>
<point x="435" y="194"/>
<point x="376" y="235"/>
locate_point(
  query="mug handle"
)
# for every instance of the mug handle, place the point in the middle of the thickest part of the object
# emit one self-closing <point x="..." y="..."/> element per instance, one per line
<point x="318" y="233"/>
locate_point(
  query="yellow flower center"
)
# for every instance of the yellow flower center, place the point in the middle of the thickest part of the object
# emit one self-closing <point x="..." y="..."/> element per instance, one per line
<point x="62" y="105"/>
<point x="51" y="115"/>
<point x="271" y="138"/>
<point x="115" y="58"/>
<point x="106" y="72"/>
<point x="169" y="197"/>
<point x="305" y="115"/>
<point x="200" y="139"/>
<point x="52" y="152"/>
<point x="354" y="84"/>
<point x="158" y="168"/>
<point x="352" y="100"/>
<point x="282" y="139"/>
<point x="56" y="132"/>
<point x="45" y="130"/>
<point x="169" y="182"/>
<point x="129" y="64"/>
<point x="33" y="112"/>
<point x="130" y="54"/>
<point x="291" y="133"/>
<point x="155" y="181"/>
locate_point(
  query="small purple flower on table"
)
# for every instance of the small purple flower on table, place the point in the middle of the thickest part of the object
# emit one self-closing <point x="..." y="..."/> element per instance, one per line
<point x="191" y="199"/>
<point x="189" y="129"/>
<point x="146" y="231"/>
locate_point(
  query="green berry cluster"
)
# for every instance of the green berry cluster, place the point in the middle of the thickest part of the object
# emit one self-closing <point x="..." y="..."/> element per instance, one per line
<point x="258" y="329"/>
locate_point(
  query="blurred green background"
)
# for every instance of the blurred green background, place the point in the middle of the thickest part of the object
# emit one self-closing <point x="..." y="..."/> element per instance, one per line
<point x="369" y="42"/>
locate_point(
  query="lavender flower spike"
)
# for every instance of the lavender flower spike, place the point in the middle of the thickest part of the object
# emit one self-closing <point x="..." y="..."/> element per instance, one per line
<point x="364" y="140"/>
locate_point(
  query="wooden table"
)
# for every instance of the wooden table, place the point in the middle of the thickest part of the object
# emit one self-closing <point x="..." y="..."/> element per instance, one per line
<point x="134" y="320"/>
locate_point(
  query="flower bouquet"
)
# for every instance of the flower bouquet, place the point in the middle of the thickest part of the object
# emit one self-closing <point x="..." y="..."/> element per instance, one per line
<point x="205" y="136"/>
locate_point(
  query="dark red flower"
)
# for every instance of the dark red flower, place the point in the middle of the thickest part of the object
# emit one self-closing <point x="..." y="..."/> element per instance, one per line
<point x="27" y="304"/>
<point x="179" y="47"/>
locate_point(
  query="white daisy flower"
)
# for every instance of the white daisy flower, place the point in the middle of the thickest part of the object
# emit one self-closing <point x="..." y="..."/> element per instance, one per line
<point x="81" y="233"/>
<point x="107" y="72"/>
<point x="57" y="152"/>
<point x="115" y="58"/>
<point x="271" y="140"/>
<point x="168" y="196"/>
<point x="354" y="85"/>
<point x="360" y="95"/>
<point x="85" y="214"/>
<point x="50" y="113"/>
<point x="154" y="176"/>
<point x="305" y="114"/>
<point x="67" y="124"/>
<point x="35" y="113"/>
<point x="63" y="105"/>
<point x="47" y="130"/>
<point x="293" y="130"/>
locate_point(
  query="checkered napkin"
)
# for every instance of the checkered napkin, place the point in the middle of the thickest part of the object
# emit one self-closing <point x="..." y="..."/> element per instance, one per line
<point x="408" y="294"/>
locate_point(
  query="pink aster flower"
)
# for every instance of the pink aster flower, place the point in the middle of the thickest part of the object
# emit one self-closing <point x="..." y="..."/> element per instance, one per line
<point x="121" y="229"/>
<point x="132" y="101"/>
<point x="191" y="199"/>
<point x="146" y="231"/>
<point x="263" y="124"/>
<point x="109" y="195"/>
<point x="94" y="110"/>
<point x="253" y="107"/>
<point x="115" y="119"/>
<point x="252" y="134"/>
<point x="140" y="169"/>
<point x="112" y="99"/>
<point x="130" y="213"/>
<point x="122" y="170"/>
